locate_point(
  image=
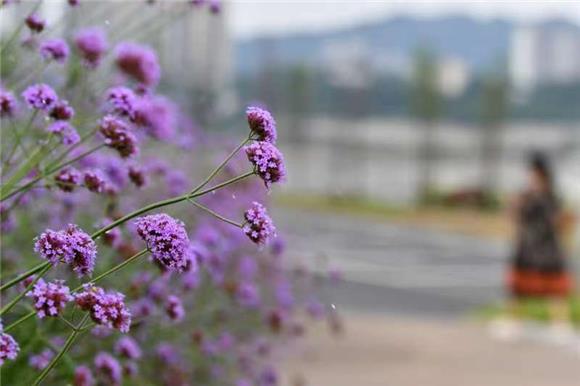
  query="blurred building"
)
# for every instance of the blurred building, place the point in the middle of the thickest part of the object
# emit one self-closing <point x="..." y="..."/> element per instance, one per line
<point x="544" y="55"/>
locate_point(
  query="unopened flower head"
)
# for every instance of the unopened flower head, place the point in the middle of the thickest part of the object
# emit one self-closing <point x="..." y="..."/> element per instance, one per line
<point x="35" y="23"/>
<point x="128" y="348"/>
<point x="62" y="111"/>
<point x="262" y="124"/>
<point x="7" y="103"/>
<point x="49" y="298"/>
<point x="166" y="238"/>
<point x="268" y="162"/>
<point x="106" y="308"/>
<point x="109" y="368"/>
<point x="123" y="101"/>
<point x="91" y="44"/>
<point x="258" y="227"/>
<point x="174" y="308"/>
<point x="40" y="96"/>
<point x="118" y="136"/>
<point x="67" y="179"/>
<point x="139" y="62"/>
<point x="67" y="133"/>
<point x="83" y="376"/>
<point x="94" y="181"/>
<point x="54" y="49"/>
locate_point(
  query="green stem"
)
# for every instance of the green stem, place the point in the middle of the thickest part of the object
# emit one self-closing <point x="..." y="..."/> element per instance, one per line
<point x="67" y="151"/>
<point x="215" y="214"/>
<point x="24" y="275"/>
<point x="69" y="342"/>
<point x="115" y="268"/>
<point x="29" y="184"/>
<point x="9" y="306"/>
<point x="19" y="321"/>
<point x="221" y="166"/>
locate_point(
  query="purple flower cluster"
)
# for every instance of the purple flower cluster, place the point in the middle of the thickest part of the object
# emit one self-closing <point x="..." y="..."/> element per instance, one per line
<point x="123" y="100"/>
<point x="54" y="49"/>
<point x="258" y="226"/>
<point x="268" y="162"/>
<point x="118" y="136"/>
<point x="92" y="44"/>
<point x="67" y="133"/>
<point x="109" y="368"/>
<point x="41" y="360"/>
<point x="106" y="308"/>
<point x="94" y="181"/>
<point x="49" y="298"/>
<point x="174" y="308"/>
<point x="167" y="240"/>
<point x="128" y="348"/>
<point x="61" y="111"/>
<point x="67" y="179"/>
<point x="8" y="347"/>
<point x="262" y="124"/>
<point x="83" y="376"/>
<point x="7" y="103"/>
<point x="35" y="23"/>
<point x="40" y="96"/>
<point x="139" y="62"/>
<point x="158" y="116"/>
<point x="71" y="245"/>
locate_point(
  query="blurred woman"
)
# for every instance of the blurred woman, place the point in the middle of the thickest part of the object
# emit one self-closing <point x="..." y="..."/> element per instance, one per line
<point x="538" y="267"/>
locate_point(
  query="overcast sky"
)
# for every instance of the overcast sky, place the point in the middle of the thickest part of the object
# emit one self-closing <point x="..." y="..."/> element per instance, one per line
<point x="255" y="17"/>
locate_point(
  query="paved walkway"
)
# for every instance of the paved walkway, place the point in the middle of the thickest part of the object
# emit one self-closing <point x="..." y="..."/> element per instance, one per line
<point x="392" y="351"/>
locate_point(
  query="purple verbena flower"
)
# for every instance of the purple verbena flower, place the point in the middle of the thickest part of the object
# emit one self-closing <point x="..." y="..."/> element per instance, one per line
<point x="94" y="181"/>
<point x="106" y="308"/>
<point x="258" y="227"/>
<point x="137" y="176"/>
<point x="215" y="6"/>
<point x="118" y="136"/>
<point x="268" y="377"/>
<point x="166" y="238"/>
<point x="92" y="44"/>
<point x="41" y="360"/>
<point x="67" y="133"/>
<point x="7" y="103"/>
<point x="268" y="162"/>
<point x="123" y="100"/>
<point x="71" y="245"/>
<point x="139" y="62"/>
<point x="40" y="96"/>
<point x="49" y="298"/>
<point x="109" y="368"/>
<point x="8" y="347"/>
<point x="54" y="49"/>
<point x="61" y="111"/>
<point x="262" y="124"/>
<point x="67" y="179"/>
<point x="83" y="376"/>
<point x="128" y="348"/>
<point x="247" y="295"/>
<point x="35" y="23"/>
<point x="174" y="308"/>
<point x="158" y="116"/>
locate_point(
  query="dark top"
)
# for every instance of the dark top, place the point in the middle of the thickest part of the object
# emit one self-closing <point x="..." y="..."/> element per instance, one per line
<point x="538" y="247"/>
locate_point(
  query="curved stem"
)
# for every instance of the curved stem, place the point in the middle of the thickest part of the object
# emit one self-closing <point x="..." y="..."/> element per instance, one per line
<point x="24" y="275"/>
<point x="114" y="269"/>
<point x="29" y="184"/>
<point x="9" y="306"/>
<point x="215" y="214"/>
<point x="221" y="166"/>
<point x="64" y="350"/>
<point x="19" y="321"/>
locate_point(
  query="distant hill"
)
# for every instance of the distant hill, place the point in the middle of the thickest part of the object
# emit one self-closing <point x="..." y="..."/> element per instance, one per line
<point x="479" y="43"/>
